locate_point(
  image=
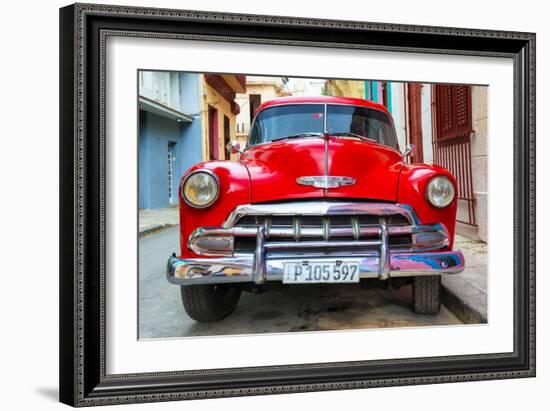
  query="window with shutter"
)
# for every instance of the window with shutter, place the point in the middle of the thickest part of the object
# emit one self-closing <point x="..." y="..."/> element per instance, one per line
<point x="452" y="125"/>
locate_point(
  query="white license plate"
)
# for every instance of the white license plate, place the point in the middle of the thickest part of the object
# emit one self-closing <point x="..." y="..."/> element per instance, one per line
<point x="301" y="272"/>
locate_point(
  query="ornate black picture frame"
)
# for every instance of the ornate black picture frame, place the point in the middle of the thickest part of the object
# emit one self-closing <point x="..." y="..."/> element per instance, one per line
<point x="83" y="30"/>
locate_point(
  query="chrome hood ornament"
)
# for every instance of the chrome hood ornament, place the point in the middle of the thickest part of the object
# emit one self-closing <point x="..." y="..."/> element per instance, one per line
<point x="325" y="181"/>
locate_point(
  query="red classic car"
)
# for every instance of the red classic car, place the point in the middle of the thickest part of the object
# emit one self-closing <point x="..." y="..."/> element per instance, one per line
<point x="320" y="194"/>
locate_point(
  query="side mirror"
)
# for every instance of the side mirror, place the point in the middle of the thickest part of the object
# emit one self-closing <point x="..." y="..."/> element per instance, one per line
<point x="408" y="151"/>
<point x="233" y="147"/>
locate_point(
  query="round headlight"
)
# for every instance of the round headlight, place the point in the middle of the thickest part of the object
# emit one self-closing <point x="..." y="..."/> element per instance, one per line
<point x="200" y="189"/>
<point x="440" y="191"/>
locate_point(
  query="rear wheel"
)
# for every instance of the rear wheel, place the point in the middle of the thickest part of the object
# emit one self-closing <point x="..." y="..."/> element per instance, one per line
<point x="426" y="294"/>
<point x="208" y="303"/>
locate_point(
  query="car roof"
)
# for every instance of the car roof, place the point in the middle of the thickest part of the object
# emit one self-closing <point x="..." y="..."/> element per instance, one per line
<point x="322" y="100"/>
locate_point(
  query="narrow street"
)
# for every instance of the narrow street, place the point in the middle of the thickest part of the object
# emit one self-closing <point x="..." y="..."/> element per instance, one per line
<point x="296" y="308"/>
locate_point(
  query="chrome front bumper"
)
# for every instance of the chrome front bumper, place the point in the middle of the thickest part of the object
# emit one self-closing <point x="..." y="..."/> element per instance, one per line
<point x="273" y="249"/>
<point x="245" y="268"/>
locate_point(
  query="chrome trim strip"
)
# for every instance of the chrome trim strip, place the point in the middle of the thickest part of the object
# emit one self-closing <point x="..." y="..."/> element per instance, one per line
<point x="296" y="228"/>
<point x="356" y="228"/>
<point x="319" y="208"/>
<point x="309" y="232"/>
<point x="326" y="228"/>
<point x="319" y="244"/>
<point x="325" y="128"/>
<point x="267" y="227"/>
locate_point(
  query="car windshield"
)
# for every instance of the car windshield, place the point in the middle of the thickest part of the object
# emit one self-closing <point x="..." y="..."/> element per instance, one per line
<point x="307" y="120"/>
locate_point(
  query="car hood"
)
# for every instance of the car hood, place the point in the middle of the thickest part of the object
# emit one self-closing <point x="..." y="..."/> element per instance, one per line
<point x="275" y="167"/>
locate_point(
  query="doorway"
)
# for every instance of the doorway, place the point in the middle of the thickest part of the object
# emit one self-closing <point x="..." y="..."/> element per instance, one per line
<point x="255" y="101"/>
<point x="172" y="191"/>
<point x="414" y="96"/>
<point x="226" y="135"/>
<point x="213" y="151"/>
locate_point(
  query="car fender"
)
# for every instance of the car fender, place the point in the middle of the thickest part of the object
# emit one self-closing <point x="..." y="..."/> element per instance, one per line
<point x="234" y="190"/>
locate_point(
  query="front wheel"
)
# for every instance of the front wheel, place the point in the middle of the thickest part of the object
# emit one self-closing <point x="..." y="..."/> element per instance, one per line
<point x="426" y="294"/>
<point x="208" y="303"/>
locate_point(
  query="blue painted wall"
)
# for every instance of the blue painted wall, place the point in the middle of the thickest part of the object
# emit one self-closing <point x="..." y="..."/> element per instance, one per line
<point x="389" y="94"/>
<point x="373" y="92"/>
<point x="155" y="135"/>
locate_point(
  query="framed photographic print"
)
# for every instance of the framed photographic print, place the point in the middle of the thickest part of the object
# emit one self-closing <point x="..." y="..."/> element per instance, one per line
<point x="262" y="204"/>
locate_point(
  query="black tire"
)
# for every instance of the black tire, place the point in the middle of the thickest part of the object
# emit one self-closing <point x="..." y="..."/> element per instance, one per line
<point x="426" y="294"/>
<point x="208" y="303"/>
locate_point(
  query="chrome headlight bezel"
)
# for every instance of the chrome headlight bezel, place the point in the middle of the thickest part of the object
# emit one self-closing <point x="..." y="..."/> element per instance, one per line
<point x="430" y="186"/>
<point x="188" y="180"/>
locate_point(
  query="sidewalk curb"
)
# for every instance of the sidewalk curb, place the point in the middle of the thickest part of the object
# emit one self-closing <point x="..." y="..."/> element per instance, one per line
<point x="460" y="307"/>
<point x="154" y="228"/>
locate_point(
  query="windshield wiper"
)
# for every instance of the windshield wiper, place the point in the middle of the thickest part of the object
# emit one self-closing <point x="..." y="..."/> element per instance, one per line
<point x="348" y="134"/>
<point x="299" y="135"/>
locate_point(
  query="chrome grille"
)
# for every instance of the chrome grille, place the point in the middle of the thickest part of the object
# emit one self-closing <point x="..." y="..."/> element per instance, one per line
<point x="319" y="228"/>
<point x="317" y="220"/>
<point x="342" y="230"/>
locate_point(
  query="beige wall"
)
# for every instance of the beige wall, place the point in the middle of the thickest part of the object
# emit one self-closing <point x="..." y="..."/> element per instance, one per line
<point x="212" y="98"/>
<point x="347" y="88"/>
<point x="267" y="88"/>
<point x="479" y="157"/>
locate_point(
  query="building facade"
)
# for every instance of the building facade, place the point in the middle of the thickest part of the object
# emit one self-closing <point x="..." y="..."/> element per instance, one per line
<point x="220" y="111"/>
<point x="377" y="91"/>
<point x="447" y="125"/>
<point x="258" y="90"/>
<point x="184" y="118"/>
